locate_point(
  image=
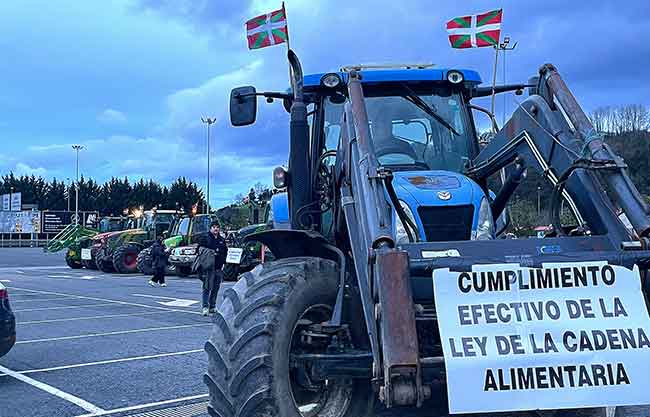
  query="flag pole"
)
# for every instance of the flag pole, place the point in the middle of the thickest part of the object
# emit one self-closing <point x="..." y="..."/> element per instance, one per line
<point x="284" y="11"/>
<point x="494" y="75"/>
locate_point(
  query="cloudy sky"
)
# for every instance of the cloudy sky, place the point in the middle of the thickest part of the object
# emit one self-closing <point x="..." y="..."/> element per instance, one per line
<point x="130" y="79"/>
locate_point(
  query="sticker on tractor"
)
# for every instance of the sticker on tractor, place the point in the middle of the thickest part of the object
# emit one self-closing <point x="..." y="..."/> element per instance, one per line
<point x="234" y="255"/>
<point x="85" y="254"/>
<point x="440" y="253"/>
<point x="567" y="335"/>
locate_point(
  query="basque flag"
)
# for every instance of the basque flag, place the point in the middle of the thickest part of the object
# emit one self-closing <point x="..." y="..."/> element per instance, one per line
<point x="475" y="31"/>
<point x="267" y="29"/>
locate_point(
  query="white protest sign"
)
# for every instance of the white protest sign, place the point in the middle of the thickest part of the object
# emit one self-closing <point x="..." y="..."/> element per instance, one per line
<point x="86" y="255"/>
<point x="234" y="255"/>
<point x="564" y="336"/>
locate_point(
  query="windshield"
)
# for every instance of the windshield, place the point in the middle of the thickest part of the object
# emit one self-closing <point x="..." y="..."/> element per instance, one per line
<point x="405" y="136"/>
<point x="183" y="227"/>
<point x="110" y="225"/>
<point x="201" y="224"/>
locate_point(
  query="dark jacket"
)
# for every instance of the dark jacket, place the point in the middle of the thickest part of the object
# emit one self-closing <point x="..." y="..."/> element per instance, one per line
<point x="218" y="245"/>
<point x="158" y="255"/>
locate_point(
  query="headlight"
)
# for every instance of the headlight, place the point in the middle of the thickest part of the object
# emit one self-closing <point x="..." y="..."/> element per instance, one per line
<point x="400" y="232"/>
<point x="485" y="227"/>
<point x="455" y="77"/>
<point x="330" y="80"/>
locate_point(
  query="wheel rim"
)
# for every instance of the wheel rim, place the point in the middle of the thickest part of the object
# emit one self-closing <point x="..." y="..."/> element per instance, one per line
<point x="333" y="398"/>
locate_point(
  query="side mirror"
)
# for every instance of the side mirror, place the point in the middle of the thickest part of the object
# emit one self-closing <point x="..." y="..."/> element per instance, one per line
<point x="243" y="106"/>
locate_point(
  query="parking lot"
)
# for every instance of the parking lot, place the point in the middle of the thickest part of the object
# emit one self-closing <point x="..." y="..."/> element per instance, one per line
<point x="95" y="344"/>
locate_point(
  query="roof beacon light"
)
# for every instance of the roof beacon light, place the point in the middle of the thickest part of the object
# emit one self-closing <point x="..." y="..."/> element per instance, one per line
<point x="330" y="80"/>
<point x="455" y="77"/>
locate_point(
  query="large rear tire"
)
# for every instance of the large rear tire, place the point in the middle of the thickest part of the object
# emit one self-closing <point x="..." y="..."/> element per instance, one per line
<point x="145" y="261"/>
<point x="230" y="272"/>
<point x="125" y="258"/>
<point x="248" y="372"/>
<point x="103" y="262"/>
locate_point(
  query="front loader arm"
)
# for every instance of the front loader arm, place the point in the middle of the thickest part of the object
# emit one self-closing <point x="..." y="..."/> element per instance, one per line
<point x="538" y="135"/>
<point x="382" y="271"/>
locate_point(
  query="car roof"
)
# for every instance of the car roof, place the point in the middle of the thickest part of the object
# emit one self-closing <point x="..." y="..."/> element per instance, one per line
<point x="398" y="75"/>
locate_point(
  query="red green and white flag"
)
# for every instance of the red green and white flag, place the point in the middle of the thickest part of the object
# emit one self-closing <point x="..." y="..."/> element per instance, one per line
<point x="475" y="31"/>
<point x="267" y="29"/>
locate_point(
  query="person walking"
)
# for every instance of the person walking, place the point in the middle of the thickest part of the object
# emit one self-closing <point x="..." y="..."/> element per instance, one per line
<point x="159" y="263"/>
<point x="213" y="273"/>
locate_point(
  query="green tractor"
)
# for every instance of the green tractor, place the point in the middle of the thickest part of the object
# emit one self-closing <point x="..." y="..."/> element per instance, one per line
<point x="88" y="245"/>
<point x="119" y="251"/>
<point x="75" y="238"/>
<point x="183" y="248"/>
<point x="185" y="232"/>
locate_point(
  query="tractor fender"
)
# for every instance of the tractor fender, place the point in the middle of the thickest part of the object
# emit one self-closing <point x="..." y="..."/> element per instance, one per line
<point x="294" y="243"/>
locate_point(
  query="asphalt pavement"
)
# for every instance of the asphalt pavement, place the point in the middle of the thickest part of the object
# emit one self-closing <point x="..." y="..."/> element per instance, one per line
<point x="96" y="344"/>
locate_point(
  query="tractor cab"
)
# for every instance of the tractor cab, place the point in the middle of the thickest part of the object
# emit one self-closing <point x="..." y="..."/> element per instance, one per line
<point x="158" y="222"/>
<point x="422" y="130"/>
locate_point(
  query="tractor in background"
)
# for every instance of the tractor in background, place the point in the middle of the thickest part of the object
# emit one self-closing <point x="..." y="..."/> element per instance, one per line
<point x="248" y="253"/>
<point x="186" y="231"/>
<point x="388" y="184"/>
<point x="119" y="251"/>
<point x="76" y="238"/>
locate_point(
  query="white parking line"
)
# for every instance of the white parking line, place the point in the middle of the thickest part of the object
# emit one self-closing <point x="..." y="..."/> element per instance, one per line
<point x="82" y="336"/>
<point x="37" y="299"/>
<point x="64" y="307"/>
<point x="110" y="361"/>
<point x="106" y="300"/>
<point x="54" y="391"/>
<point x="108" y="316"/>
<point x="31" y="268"/>
<point x="141" y="406"/>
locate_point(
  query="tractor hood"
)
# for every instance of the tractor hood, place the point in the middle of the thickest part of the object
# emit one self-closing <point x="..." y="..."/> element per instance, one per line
<point x="172" y="242"/>
<point x="435" y="188"/>
<point x="101" y="236"/>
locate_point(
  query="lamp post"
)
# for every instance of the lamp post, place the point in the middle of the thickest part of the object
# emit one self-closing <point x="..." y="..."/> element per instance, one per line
<point x="11" y="197"/>
<point x="208" y="121"/>
<point x="77" y="148"/>
<point x="539" y="200"/>
<point x="503" y="46"/>
<point x="69" y="185"/>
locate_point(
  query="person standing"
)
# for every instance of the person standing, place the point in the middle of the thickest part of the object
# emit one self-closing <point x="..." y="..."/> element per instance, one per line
<point x="159" y="263"/>
<point x="213" y="274"/>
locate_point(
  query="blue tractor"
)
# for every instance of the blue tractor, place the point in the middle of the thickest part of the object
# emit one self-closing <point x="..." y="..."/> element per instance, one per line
<point x="388" y="183"/>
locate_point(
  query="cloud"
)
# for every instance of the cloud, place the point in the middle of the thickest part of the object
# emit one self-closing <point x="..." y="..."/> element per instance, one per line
<point x="166" y="63"/>
<point x="24" y="169"/>
<point x="112" y="116"/>
<point x="187" y="106"/>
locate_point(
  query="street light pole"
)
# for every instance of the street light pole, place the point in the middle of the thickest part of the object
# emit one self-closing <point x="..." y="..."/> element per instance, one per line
<point x="503" y="46"/>
<point x="77" y="148"/>
<point x="539" y="200"/>
<point x="208" y="121"/>
<point x="68" y="184"/>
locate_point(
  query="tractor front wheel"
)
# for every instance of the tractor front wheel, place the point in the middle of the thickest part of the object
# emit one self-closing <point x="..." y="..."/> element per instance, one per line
<point x="72" y="262"/>
<point x="125" y="258"/>
<point x="145" y="261"/>
<point x="258" y="327"/>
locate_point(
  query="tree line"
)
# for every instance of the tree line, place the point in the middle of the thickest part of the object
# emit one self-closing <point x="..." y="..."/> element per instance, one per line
<point x="109" y="198"/>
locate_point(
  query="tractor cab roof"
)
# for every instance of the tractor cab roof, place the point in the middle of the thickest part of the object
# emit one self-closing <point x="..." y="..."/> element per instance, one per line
<point x="379" y="76"/>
